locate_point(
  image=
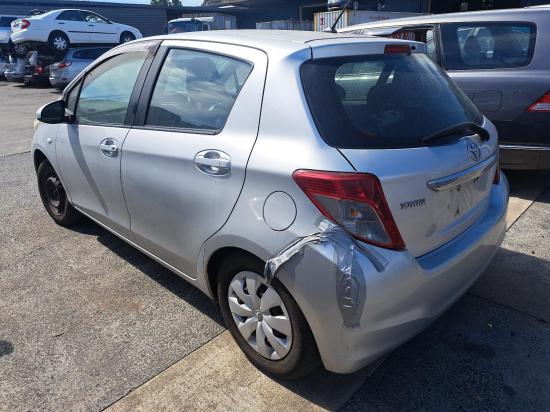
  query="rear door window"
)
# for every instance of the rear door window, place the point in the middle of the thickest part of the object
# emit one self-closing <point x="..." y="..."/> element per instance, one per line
<point x="71" y="15"/>
<point x="196" y="90"/>
<point x="382" y="101"/>
<point x="468" y="46"/>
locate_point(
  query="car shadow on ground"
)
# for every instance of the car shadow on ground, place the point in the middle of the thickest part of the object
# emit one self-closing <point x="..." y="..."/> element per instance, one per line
<point x="164" y="277"/>
<point x="526" y="184"/>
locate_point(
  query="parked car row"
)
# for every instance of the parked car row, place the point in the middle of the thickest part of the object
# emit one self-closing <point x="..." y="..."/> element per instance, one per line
<point x="42" y="68"/>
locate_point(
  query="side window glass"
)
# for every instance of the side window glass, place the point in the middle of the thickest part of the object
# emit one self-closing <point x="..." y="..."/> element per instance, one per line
<point x="71" y="99"/>
<point x="94" y="18"/>
<point x="71" y="15"/>
<point x="196" y="90"/>
<point x="431" y="45"/>
<point x="107" y="89"/>
<point x="487" y="45"/>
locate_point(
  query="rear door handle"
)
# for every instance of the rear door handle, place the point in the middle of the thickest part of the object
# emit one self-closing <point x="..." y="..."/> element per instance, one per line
<point x="213" y="162"/>
<point x="109" y="147"/>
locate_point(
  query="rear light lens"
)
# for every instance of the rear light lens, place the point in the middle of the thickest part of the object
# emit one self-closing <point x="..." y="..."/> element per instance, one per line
<point x="355" y="201"/>
<point x="39" y="70"/>
<point x="62" y="65"/>
<point x="25" y="24"/>
<point x="397" y="49"/>
<point x="496" y="179"/>
<point x="541" y="105"/>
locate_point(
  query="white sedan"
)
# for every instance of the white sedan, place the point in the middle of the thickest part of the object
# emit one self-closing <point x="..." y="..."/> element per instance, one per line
<point x="65" y="27"/>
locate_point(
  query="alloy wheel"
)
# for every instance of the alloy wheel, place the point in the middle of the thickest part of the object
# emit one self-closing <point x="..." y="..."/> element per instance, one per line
<point x="59" y="43"/>
<point x="260" y="315"/>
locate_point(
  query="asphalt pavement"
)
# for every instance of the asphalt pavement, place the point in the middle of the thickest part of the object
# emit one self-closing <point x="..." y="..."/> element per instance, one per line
<point x="88" y="323"/>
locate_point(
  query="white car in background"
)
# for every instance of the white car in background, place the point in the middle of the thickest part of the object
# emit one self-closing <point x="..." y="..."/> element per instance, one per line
<point x="63" y="28"/>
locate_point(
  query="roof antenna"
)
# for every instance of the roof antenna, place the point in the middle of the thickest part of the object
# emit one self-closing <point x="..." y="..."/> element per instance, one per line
<point x="333" y="27"/>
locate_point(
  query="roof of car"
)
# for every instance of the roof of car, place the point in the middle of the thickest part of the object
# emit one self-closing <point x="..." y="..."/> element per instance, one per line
<point x="268" y="40"/>
<point x="470" y="16"/>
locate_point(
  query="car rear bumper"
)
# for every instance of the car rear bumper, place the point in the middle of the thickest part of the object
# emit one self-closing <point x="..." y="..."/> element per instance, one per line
<point x="401" y="300"/>
<point x="59" y="79"/>
<point x="524" y="157"/>
<point x="14" y="77"/>
<point x="26" y="36"/>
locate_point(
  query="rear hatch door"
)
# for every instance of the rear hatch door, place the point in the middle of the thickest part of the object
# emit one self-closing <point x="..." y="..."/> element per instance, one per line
<point x="393" y="113"/>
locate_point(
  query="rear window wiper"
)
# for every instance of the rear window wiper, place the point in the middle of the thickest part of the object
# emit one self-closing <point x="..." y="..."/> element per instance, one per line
<point x="467" y="127"/>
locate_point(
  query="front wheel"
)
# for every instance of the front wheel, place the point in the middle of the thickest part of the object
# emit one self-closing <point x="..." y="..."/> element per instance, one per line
<point x="265" y="320"/>
<point x="59" y="43"/>
<point x="54" y="197"/>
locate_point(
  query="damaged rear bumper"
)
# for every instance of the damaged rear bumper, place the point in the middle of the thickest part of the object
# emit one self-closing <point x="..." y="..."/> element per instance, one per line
<point x="361" y="309"/>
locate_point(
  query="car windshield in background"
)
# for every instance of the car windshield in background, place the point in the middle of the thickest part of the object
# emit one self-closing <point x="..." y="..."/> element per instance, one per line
<point x="487" y="45"/>
<point x="382" y="101"/>
<point x="186" y="26"/>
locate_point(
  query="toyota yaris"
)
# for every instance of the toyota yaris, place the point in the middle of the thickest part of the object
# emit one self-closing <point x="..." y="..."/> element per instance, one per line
<point x="334" y="194"/>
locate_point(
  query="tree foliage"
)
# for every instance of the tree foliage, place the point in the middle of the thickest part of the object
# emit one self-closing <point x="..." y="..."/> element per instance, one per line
<point x="167" y="3"/>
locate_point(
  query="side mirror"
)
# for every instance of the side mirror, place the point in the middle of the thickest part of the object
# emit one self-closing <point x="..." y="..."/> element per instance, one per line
<point x="52" y="113"/>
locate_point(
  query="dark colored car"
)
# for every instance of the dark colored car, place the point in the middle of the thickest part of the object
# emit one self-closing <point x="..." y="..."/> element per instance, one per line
<point x="37" y="69"/>
<point x="501" y="60"/>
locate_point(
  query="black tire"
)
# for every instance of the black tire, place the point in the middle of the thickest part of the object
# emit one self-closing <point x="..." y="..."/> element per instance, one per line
<point x="19" y="50"/>
<point x="54" y="197"/>
<point x="303" y="356"/>
<point x="126" y="36"/>
<point x="59" y="43"/>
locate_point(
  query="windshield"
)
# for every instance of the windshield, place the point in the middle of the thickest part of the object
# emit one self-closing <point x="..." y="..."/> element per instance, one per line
<point x="382" y="101"/>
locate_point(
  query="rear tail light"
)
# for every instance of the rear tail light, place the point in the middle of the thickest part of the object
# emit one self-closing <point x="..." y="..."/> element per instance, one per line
<point x="355" y="201"/>
<point x="39" y="70"/>
<point x="541" y="105"/>
<point x="496" y="179"/>
<point x="62" y="65"/>
<point x="397" y="49"/>
<point x="25" y="24"/>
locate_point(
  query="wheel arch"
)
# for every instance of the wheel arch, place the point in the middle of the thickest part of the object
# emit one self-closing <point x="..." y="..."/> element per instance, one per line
<point x="215" y="261"/>
<point x="38" y="157"/>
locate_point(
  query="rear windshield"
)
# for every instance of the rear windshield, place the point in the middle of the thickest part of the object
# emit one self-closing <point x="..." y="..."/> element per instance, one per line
<point x="382" y="101"/>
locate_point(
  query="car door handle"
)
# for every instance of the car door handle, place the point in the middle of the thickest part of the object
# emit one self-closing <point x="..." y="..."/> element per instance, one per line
<point x="109" y="147"/>
<point x="213" y="162"/>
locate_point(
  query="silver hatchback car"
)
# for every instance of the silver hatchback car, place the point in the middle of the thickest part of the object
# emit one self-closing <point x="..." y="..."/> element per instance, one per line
<point x="334" y="194"/>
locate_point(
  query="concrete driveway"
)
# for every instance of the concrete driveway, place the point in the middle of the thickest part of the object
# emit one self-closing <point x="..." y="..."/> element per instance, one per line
<point x="88" y="323"/>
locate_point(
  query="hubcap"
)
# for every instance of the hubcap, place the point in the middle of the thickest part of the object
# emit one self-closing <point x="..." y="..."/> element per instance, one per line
<point x="260" y="315"/>
<point x="55" y="194"/>
<point x="59" y="43"/>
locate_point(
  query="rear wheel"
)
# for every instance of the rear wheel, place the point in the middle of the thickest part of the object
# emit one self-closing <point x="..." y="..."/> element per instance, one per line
<point x="126" y="37"/>
<point x="54" y="197"/>
<point x="59" y="42"/>
<point x="20" y="49"/>
<point x="265" y="321"/>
